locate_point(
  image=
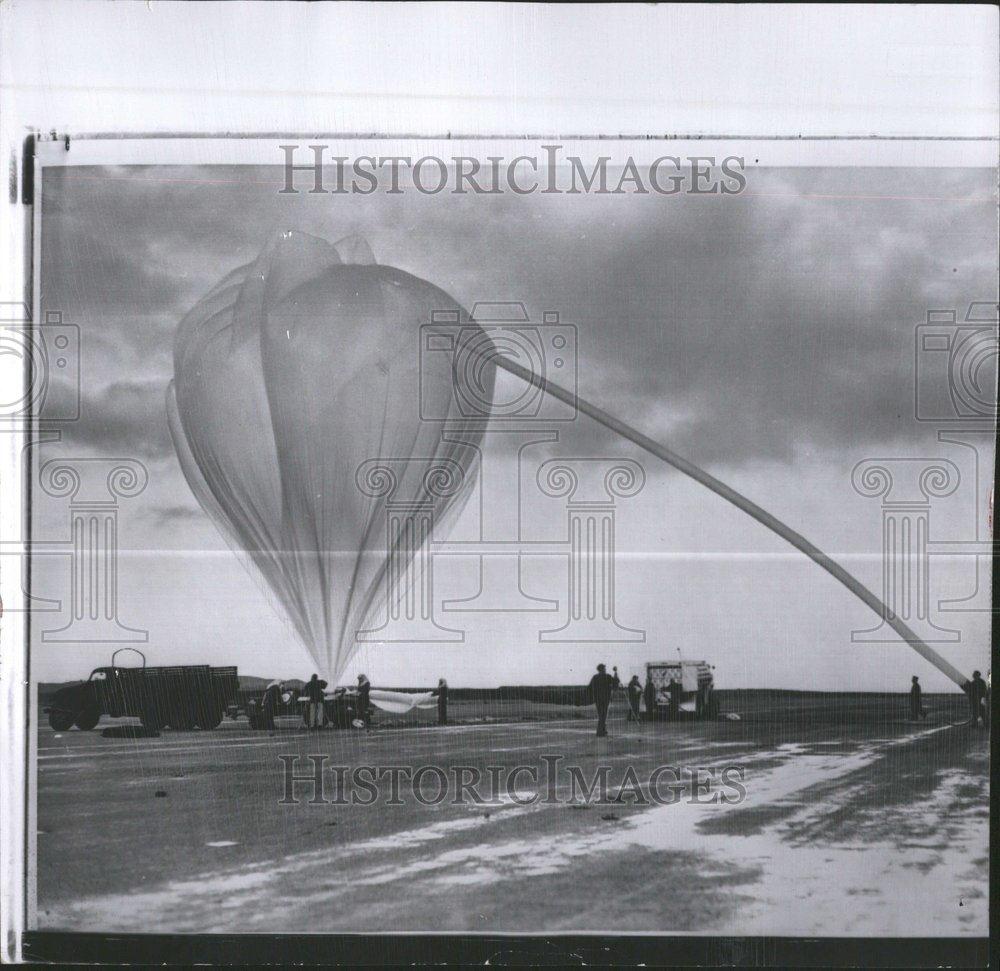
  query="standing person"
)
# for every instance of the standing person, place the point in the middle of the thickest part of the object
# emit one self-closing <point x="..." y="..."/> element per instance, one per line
<point x="442" y="694"/>
<point x="601" y="686"/>
<point x="977" y="694"/>
<point x="674" y="690"/>
<point x="650" y="692"/>
<point x="916" y="708"/>
<point x="269" y="704"/>
<point x="314" y="702"/>
<point x="364" y="700"/>
<point x="634" y="697"/>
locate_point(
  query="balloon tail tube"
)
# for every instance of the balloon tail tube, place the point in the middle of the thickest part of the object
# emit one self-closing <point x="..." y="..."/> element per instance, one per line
<point x="740" y="502"/>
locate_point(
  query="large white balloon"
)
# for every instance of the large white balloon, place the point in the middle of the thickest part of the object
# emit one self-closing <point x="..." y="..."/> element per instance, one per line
<point x="290" y="375"/>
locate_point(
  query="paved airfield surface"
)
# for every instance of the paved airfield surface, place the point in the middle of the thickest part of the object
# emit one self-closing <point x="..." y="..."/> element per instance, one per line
<point x="855" y="822"/>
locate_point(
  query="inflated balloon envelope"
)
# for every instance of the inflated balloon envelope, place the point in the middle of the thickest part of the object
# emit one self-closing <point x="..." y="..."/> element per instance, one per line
<point x="290" y="375"/>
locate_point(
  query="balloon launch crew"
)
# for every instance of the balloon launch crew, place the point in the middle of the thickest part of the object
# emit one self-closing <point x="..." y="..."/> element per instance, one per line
<point x="314" y="702"/>
<point x="442" y="699"/>
<point x="601" y="687"/>
<point x="364" y="701"/>
<point x="917" y="709"/>
<point x="634" y="697"/>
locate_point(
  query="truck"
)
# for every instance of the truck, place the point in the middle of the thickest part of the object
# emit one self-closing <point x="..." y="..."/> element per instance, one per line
<point x="179" y="697"/>
<point x="695" y="695"/>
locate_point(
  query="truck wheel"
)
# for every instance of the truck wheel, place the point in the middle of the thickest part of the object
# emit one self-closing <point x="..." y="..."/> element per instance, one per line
<point x="182" y="719"/>
<point x="207" y="720"/>
<point x="60" y="721"/>
<point x="87" y="719"/>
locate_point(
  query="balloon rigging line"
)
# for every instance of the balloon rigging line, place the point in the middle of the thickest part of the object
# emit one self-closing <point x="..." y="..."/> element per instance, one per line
<point x="741" y="502"/>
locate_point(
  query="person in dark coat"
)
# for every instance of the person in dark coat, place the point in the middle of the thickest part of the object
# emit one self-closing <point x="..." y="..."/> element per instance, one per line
<point x="364" y="700"/>
<point x="601" y="687"/>
<point x="916" y="708"/>
<point x="674" y="690"/>
<point x="442" y="696"/>
<point x="269" y="704"/>
<point x="314" y="702"/>
<point x="634" y="697"/>
<point x="977" y="695"/>
<point x="650" y="692"/>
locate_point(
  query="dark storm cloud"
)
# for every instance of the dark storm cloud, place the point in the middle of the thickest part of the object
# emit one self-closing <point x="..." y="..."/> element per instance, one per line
<point x="747" y="329"/>
<point x="174" y="515"/>
<point x="734" y="328"/>
<point x="126" y="419"/>
<point x="116" y="247"/>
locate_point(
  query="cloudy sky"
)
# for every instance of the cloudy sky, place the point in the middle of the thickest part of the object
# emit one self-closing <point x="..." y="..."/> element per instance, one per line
<point x="768" y="336"/>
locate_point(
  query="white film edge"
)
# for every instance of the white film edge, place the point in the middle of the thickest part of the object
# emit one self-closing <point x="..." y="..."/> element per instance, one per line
<point x="435" y="529"/>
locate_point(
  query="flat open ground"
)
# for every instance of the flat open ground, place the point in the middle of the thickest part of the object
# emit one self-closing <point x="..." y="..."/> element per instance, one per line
<point x="855" y="822"/>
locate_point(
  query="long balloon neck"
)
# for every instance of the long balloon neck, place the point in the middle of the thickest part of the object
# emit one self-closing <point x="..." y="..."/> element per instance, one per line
<point x="740" y="502"/>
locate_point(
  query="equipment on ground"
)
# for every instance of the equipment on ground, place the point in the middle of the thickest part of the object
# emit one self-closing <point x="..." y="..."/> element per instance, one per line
<point x="340" y="708"/>
<point x="180" y="697"/>
<point x="693" y="694"/>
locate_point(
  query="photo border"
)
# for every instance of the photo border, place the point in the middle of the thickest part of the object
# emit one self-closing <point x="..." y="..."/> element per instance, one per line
<point x="56" y="149"/>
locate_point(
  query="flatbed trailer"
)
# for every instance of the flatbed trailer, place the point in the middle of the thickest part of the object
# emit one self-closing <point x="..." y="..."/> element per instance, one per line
<point x="179" y="696"/>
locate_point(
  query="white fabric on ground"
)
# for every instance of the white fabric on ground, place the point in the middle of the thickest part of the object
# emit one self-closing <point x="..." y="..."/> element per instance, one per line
<point x="400" y="702"/>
